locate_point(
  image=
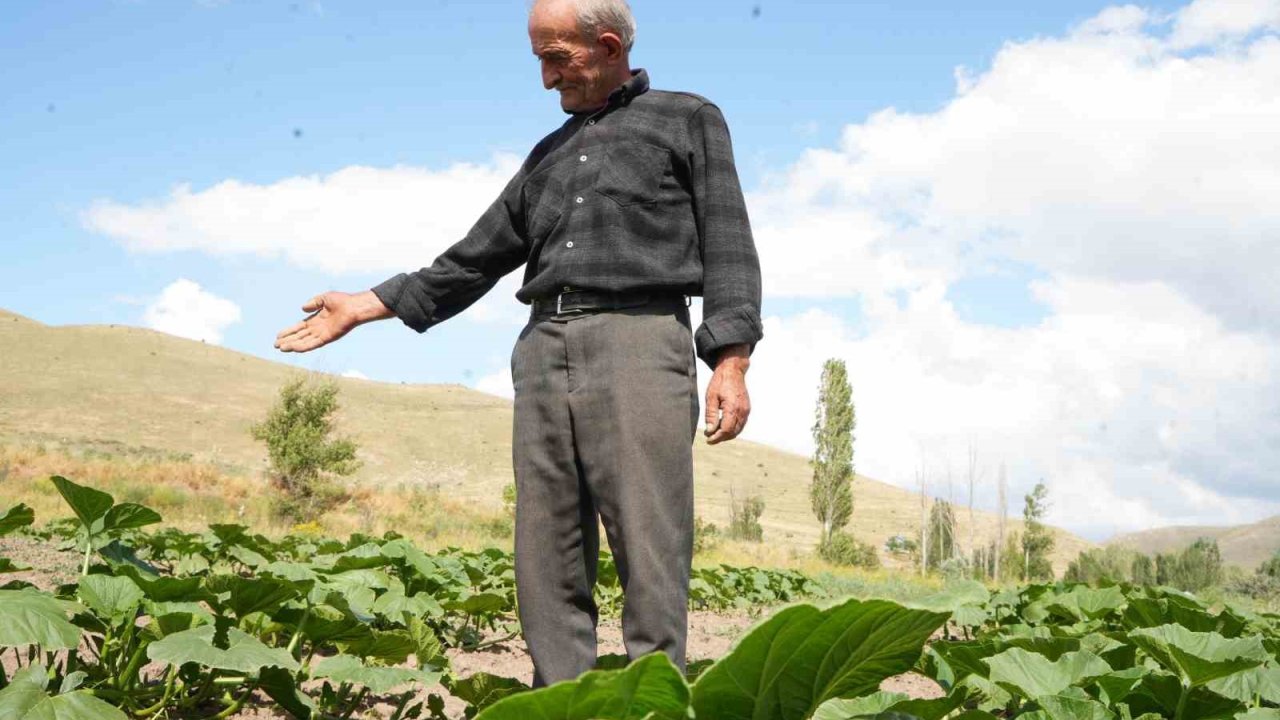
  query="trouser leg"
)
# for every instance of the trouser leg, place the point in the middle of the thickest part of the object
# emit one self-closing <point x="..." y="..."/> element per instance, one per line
<point x="634" y="403"/>
<point x="556" y="542"/>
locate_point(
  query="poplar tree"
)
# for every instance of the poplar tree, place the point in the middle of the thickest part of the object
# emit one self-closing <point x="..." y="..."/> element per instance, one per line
<point x="1037" y="541"/>
<point x="832" y="488"/>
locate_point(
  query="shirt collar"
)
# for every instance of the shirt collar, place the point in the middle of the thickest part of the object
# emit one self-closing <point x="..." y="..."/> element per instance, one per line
<point x="623" y="94"/>
<point x="638" y="84"/>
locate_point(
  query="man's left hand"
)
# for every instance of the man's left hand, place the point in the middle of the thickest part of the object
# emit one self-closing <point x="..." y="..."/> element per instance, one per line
<point x="727" y="402"/>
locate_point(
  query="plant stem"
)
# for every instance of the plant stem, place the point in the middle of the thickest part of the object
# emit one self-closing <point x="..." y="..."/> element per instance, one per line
<point x="355" y="702"/>
<point x="164" y="699"/>
<point x="1182" y="702"/>
<point x="239" y="702"/>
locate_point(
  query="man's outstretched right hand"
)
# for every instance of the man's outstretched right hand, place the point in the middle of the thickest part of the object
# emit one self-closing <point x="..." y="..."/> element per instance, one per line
<point x="333" y="314"/>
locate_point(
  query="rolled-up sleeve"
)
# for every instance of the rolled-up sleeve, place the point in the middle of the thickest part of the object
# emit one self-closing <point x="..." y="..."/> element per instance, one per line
<point x="730" y="265"/>
<point x="493" y="247"/>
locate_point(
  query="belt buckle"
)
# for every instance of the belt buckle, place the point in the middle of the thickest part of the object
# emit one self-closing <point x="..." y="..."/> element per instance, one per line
<point x="559" y="298"/>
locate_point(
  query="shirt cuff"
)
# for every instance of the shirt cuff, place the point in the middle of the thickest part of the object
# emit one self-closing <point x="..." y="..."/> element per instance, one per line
<point x="414" y="312"/>
<point x="729" y="327"/>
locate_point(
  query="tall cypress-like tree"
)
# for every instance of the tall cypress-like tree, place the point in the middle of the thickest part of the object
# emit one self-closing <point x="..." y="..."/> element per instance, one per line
<point x="834" y="421"/>
<point x="1037" y="541"/>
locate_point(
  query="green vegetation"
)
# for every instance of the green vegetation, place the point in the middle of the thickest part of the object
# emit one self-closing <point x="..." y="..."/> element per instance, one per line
<point x="1037" y="541"/>
<point x="304" y="458"/>
<point x="941" y="538"/>
<point x="1194" y="569"/>
<point x="831" y="490"/>
<point x="195" y="623"/>
<point x="744" y="518"/>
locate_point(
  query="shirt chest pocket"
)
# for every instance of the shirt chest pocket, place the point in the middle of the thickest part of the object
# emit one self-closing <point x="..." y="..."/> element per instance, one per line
<point x="632" y="172"/>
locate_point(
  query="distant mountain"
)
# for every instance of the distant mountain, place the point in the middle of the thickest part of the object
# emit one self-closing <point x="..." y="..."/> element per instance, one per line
<point x="1243" y="545"/>
<point x="121" y="384"/>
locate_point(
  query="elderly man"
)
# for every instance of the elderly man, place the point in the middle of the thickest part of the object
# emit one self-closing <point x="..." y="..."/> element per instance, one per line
<point x="629" y="207"/>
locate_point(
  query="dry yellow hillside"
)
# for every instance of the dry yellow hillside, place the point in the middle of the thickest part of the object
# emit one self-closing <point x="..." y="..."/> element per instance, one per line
<point x="1243" y="545"/>
<point x="141" y="388"/>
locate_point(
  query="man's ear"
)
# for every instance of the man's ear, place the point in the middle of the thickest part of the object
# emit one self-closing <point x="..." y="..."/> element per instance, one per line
<point x="613" y="51"/>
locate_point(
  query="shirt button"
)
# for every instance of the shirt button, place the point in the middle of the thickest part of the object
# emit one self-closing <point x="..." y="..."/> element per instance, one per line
<point x="569" y="244"/>
<point x="578" y="199"/>
<point x="591" y="122"/>
<point x="582" y="159"/>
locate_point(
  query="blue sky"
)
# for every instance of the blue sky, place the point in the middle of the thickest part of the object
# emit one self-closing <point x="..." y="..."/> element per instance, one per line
<point x="124" y="100"/>
<point x="117" y="104"/>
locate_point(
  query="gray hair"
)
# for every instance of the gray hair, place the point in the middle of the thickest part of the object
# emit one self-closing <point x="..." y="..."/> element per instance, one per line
<point x="597" y="16"/>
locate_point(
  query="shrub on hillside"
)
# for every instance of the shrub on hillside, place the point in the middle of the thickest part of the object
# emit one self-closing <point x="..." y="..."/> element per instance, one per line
<point x="303" y="458"/>
<point x="705" y="535"/>
<point x="744" y="518"/>
<point x="841" y="548"/>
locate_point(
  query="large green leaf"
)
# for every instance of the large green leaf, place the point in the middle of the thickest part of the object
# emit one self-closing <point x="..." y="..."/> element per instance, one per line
<point x="112" y="598"/>
<point x="245" y="653"/>
<point x="1066" y="707"/>
<point x="845" y="708"/>
<point x="25" y="699"/>
<point x="1032" y="675"/>
<point x="32" y="617"/>
<point x="478" y="604"/>
<point x="88" y="504"/>
<point x="1115" y="686"/>
<point x="127" y="516"/>
<point x="379" y="680"/>
<point x="1260" y="682"/>
<point x="801" y="657"/>
<point x="1199" y="657"/>
<point x="650" y="687"/>
<point x="1086" y="603"/>
<point x="259" y="594"/>
<point x="879" y="703"/>
<point x="279" y="684"/>
<point x="480" y="690"/>
<point x="19" y="515"/>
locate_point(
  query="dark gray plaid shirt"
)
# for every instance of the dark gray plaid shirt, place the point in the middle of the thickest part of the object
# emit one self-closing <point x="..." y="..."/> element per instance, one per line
<point x="639" y="195"/>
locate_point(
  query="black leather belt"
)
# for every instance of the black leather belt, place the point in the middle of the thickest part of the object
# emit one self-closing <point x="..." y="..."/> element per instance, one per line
<point x="573" y="301"/>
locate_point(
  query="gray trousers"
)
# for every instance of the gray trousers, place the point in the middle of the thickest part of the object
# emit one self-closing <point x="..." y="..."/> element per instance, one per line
<point x="606" y="407"/>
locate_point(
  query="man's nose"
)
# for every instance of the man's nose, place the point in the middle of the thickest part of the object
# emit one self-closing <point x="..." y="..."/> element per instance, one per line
<point x="550" y="77"/>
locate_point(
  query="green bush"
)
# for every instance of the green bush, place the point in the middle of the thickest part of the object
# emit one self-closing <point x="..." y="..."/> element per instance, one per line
<point x="304" y="459"/>
<point x="744" y="522"/>
<point x="843" y="549"/>
<point x="705" y="536"/>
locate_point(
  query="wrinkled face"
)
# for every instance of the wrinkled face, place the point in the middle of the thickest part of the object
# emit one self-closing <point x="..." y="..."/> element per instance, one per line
<point x="571" y="65"/>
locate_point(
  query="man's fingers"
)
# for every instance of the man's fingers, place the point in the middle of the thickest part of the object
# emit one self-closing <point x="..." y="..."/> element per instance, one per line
<point x="730" y="426"/>
<point x="313" y="304"/>
<point x="296" y="327"/>
<point x="712" y="415"/>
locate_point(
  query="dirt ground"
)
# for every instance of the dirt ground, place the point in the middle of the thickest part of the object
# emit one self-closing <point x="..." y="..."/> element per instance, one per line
<point x="711" y="635"/>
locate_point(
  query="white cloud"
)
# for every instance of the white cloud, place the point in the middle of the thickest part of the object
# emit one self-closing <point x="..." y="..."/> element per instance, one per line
<point x="1214" y="21"/>
<point x="1105" y="153"/>
<point x="1135" y="405"/>
<point x="355" y="374"/>
<point x="1140" y="180"/>
<point x="358" y="219"/>
<point x="498" y="383"/>
<point x="186" y="310"/>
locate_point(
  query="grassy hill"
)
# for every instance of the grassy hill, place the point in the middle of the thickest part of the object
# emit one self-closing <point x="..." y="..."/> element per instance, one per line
<point x="1243" y="545"/>
<point x="104" y="386"/>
